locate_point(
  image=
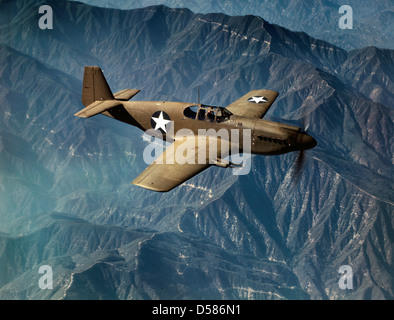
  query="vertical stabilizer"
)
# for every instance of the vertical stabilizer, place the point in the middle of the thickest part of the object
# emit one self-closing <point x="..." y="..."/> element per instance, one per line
<point x="95" y="87"/>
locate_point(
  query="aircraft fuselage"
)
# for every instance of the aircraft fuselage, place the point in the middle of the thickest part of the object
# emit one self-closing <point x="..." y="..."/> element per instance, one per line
<point x="267" y="137"/>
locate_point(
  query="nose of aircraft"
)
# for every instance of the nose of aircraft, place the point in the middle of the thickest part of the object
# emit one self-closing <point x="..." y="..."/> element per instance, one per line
<point x="305" y="142"/>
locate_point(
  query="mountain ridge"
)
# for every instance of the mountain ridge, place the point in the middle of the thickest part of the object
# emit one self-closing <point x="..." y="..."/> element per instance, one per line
<point x="318" y="18"/>
<point x="245" y="225"/>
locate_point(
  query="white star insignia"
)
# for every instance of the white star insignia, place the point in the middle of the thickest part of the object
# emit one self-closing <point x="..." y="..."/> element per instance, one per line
<point x="161" y="122"/>
<point x="258" y="99"/>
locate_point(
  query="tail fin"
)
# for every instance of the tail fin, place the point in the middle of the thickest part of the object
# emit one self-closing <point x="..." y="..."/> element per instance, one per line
<point x="97" y="96"/>
<point x="95" y="87"/>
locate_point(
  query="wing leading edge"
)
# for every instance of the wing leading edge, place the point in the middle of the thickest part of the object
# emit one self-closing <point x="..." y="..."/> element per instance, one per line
<point x="254" y="104"/>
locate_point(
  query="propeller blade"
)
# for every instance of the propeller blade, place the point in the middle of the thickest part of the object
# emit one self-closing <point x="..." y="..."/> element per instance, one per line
<point x="305" y="121"/>
<point x="298" y="166"/>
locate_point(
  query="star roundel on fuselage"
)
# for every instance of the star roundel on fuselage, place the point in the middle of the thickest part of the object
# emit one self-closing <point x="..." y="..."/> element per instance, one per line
<point x="160" y="120"/>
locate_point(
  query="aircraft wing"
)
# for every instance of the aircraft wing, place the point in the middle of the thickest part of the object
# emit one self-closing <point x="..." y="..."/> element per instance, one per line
<point x="178" y="163"/>
<point x="254" y="104"/>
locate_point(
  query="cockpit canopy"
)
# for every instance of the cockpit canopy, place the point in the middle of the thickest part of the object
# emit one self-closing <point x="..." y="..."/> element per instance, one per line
<point x="207" y="113"/>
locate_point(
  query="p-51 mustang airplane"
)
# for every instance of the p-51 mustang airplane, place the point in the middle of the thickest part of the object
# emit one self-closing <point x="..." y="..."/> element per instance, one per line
<point x="243" y="115"/>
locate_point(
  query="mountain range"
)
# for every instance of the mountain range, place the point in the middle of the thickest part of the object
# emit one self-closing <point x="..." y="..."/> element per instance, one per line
<point x="371" y="21"/>
<point x="66" y="198"/>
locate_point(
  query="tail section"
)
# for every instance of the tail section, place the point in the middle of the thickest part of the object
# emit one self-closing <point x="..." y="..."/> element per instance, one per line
<point x="95" y="87"/>
<point x="97" y="96"/>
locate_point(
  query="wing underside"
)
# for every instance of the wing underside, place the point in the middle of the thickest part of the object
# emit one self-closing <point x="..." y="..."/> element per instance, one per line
<point x="254" y="104"/>
<point x="178" y="163"/>
<point x="165" y="177"/>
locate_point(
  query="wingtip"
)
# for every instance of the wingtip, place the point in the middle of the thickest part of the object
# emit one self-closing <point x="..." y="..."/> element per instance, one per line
<point x="150" y="187"/>
<point x="80" y="115"/>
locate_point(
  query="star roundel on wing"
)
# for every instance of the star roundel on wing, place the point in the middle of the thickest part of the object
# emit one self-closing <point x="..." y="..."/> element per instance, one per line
<point x="258" y="99"/>
<point x="160" y="120"/>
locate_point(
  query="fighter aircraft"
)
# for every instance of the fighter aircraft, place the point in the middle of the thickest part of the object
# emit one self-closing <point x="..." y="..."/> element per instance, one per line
<point x="166" y="118"/>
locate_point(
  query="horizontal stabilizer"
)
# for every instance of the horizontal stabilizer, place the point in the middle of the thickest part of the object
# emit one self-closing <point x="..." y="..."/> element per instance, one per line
<point x="97" y="107"/>
<point x="126" y="94"/>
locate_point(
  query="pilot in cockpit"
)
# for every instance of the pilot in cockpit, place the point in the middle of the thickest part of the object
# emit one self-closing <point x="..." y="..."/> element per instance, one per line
<point x="210" y="116"/>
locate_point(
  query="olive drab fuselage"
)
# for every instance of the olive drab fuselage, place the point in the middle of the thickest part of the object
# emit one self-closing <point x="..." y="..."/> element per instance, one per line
<point x="267" y="137"/>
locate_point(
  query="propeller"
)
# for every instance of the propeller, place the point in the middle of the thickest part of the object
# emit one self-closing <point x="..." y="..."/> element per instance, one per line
<point x="300" y="159"/>
<point x="305" y="121"/>
<point x="298" y="166"/>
